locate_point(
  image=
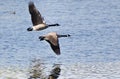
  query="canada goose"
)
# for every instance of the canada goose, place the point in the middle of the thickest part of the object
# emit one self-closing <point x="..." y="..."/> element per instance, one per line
<point x="52" y="39"/>
<point x="37" y="20"/>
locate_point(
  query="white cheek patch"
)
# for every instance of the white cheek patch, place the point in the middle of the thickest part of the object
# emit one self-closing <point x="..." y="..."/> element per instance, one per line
<point x="34" y="28"/>
<point x="39" y="27"/>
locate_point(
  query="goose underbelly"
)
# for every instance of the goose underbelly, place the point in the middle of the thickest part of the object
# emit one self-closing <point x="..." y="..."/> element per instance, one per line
<point x="39" y="27"/>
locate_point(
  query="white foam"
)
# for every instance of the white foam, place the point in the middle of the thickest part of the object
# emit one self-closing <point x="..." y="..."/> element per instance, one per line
<point x="10" y="73"/>
<point x="91" y="71"/>
<point x="102" y="70"/>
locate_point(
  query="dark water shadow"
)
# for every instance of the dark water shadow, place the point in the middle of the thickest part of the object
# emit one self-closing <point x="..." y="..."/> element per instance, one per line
<point x="37" y="70"/>
<point x="55" y="72"/>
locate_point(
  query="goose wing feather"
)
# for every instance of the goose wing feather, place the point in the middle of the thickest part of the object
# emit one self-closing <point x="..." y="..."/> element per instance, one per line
<point x="35" y="14"/>
<point x="54" y="42"/>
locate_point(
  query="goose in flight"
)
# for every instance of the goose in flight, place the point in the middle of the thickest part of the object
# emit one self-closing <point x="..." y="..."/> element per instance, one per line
<point x="52" y="39"/>
<point x="37" y="20"/>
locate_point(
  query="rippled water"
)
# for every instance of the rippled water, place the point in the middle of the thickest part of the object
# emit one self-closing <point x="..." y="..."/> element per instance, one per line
<point x="94" y="26"/>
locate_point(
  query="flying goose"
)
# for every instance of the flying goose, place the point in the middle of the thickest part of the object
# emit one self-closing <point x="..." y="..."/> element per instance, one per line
<point x="37" y="20"/>
<point x="52" y="39"/>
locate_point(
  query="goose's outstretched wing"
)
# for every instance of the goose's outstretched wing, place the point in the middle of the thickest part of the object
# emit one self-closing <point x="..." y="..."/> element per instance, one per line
<point x="55" y="48"/>
<point x="35" y="14"/>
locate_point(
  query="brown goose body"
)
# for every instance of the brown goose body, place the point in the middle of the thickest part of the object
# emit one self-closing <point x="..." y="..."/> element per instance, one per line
<point x="37" y="20"/>
<point x="52" y="39"/>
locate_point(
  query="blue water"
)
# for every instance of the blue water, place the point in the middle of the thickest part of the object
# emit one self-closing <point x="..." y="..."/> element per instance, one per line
<point x="94" y="26"/>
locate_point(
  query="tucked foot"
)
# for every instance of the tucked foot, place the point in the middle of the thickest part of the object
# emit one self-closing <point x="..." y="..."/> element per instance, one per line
<point x="57" y="24"/>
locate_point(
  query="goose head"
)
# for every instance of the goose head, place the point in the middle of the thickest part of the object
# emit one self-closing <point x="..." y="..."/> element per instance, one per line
<point x="41" y="38"/>
<point x="29" y="29"/>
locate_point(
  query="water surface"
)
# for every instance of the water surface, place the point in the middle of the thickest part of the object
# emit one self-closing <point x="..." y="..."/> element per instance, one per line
<point x="94" y="26"/>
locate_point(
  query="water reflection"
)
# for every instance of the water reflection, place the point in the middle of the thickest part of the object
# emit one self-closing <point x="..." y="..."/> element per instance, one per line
<point x="37" y="70"/>
<point x="55" y="72"/>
